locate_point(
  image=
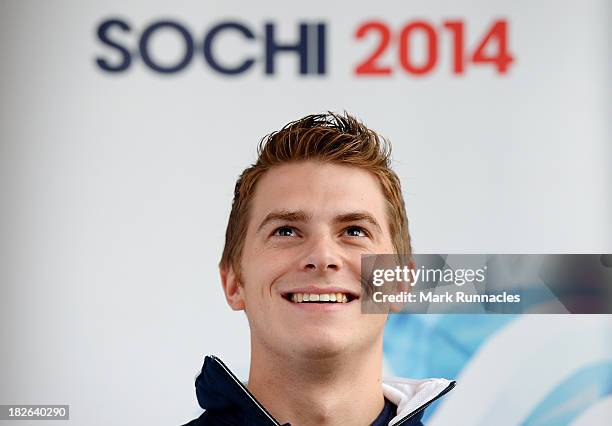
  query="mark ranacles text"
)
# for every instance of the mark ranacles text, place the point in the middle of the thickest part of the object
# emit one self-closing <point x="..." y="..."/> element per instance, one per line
<point x="439" y="277"/>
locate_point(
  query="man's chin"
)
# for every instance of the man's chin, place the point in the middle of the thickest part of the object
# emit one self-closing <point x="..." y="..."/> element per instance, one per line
<point x="323" y="346"/>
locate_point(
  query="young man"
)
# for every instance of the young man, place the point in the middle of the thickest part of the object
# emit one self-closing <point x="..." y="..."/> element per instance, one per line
<point x="320" y="195"/>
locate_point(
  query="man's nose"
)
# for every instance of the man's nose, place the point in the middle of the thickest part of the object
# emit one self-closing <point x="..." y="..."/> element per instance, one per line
<point x="322" y="254"/>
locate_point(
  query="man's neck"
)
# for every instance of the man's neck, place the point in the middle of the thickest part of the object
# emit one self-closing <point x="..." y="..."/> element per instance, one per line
<point x="333" y="391"/>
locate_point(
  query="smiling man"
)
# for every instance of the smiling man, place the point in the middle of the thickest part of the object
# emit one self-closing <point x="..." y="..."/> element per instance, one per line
<point x="320" y="195"/>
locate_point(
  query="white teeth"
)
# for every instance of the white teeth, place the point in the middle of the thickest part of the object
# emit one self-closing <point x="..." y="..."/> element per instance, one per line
<point x="311" y="297"/>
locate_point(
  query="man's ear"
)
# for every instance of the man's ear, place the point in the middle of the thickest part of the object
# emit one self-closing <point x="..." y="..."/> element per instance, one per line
<point x="403" y="286"/>
<point x="232" y="288"/>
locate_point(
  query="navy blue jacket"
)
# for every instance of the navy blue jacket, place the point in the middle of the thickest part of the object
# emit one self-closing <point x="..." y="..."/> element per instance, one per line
<point x="229" y="403"/>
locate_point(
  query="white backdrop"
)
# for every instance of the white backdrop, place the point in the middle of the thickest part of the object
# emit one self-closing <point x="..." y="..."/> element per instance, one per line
<point x="116" y="186"/>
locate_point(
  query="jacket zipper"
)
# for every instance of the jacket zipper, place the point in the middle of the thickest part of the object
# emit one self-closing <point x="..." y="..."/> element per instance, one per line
<point x="246" y="391"/>
<point x="276" y="423"/>
<point x="422" y="407"/>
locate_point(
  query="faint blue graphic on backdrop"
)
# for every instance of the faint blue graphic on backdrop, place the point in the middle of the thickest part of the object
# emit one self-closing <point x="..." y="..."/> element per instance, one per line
<point x="420" y="346"/>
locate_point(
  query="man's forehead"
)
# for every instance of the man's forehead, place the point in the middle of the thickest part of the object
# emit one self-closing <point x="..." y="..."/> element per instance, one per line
<point x="308" y="174"/>
<point x="318" y="191"/>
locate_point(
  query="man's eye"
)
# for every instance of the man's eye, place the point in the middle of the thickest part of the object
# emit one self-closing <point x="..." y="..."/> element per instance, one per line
<point x="284" y="231"/>
<point x="356" y="231"/>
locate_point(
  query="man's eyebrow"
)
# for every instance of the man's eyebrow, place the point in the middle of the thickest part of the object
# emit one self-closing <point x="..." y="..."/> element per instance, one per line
<point x="358" y="217"/>
<point x="285" y="216"/>
<point x="302" y="216"/>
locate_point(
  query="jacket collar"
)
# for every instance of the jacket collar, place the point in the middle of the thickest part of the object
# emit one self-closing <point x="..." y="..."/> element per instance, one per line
<point x="218" y="389"/>
<point x="413" y="396"/>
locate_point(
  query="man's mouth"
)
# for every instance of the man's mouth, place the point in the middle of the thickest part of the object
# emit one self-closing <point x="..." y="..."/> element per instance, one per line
<point x="319" y="298"/>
